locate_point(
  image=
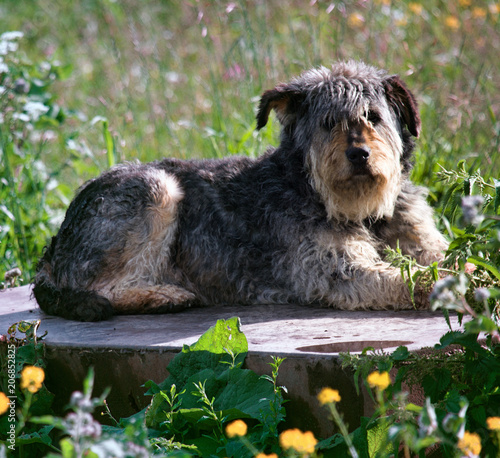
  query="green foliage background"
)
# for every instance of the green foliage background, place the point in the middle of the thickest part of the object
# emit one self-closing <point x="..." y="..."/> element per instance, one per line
<point x="128" y="79"/>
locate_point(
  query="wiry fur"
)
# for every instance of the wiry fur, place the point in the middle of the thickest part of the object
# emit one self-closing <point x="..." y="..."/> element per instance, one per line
<point x="304" y="223"/>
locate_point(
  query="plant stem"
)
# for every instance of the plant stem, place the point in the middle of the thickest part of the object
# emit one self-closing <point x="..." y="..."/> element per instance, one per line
<point x="343" y="429"/>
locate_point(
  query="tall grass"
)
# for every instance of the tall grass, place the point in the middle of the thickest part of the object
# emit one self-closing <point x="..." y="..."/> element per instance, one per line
<point x="183" y="78"/>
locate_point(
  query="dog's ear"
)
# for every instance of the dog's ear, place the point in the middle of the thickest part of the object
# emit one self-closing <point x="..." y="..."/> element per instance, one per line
<point x="284" y="100"/>
<point x="403" y="102"/>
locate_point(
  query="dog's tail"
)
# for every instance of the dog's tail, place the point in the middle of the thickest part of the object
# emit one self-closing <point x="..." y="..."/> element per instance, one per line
<point x="69" y="303"/>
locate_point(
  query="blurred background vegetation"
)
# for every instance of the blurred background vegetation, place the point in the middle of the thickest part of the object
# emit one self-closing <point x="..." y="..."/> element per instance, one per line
<point x="125" y="80"/>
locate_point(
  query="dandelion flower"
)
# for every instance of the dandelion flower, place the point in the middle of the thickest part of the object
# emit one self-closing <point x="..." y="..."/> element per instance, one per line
<point x="4" y="403"/>
<point x="470" y="443"/>
<point x="327" y="395"/>
<point x="263" y="455"/>
<point x="416" y="8"/>
<point x="236" y="428"/>
<point x="355" y="20"/>
<point x="478" y="12"/>
<point x="379" y="380"/>
<point x="452" y="22"/>
<point x="493" y="423"/>
<point x="299" y="441"/>
<point x="32" y="378"/>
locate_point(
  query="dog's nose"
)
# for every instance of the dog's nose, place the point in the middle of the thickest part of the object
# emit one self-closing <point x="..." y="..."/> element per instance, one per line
<point x="358" y="155"/>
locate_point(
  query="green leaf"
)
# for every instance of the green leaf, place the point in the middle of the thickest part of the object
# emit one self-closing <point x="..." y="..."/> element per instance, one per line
<point x="378" y="444"/>
<point x="237" y="393"/>
<point x="40" y="436"/>
<point x="488" y="265"/>
<point x="436" y="383"/>
<point x="67" y="448"/>
<point x="226" y="334"/>
<point x="400" y="354"/>
<point x="480" y="324"/>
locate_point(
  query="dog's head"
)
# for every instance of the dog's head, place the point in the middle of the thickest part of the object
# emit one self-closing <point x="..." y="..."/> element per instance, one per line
<point x="354" y="123"/>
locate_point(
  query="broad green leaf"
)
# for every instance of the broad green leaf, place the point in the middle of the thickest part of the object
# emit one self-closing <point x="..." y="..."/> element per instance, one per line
<point x="400" y="354"/>
<point x="226" y="334"/>
<point x="489" y="266"/>
<point x="480" y="324"/>
<point x="376" y="437"/>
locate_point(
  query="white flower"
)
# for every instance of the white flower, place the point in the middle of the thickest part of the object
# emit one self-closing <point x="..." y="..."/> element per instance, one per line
<point x="35" y="110"/>
<point x="11" y="36"/>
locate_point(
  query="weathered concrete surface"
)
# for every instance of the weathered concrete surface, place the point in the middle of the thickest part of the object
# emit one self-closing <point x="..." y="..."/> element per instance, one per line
<point x="126" y="351"/>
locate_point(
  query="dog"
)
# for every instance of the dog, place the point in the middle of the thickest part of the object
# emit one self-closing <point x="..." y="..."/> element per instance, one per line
<point x="304" y="223"/>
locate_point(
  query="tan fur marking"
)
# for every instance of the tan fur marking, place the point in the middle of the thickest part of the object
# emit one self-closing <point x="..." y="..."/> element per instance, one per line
<point x="147" y="299"/>
<point x="348" y="196"/>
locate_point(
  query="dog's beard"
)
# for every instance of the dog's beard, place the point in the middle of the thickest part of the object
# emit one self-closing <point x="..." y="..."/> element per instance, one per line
<point x="355" y="194"/>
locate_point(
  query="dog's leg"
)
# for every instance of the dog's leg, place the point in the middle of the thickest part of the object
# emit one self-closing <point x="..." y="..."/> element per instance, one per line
<point x="412" y="228"/>
<point x="151" y="299"/>
<point x="359" y="279"/>
<point x="378" y="287"/>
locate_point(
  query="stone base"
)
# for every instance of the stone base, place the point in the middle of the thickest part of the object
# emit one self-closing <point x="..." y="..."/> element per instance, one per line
<point x="126" y="351"/>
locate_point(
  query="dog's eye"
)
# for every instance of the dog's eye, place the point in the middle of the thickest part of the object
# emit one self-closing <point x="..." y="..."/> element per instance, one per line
<point x="373" y="117"/>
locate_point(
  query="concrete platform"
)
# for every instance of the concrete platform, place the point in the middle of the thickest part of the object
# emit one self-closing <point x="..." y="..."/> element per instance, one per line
<point x="126" y="351"/>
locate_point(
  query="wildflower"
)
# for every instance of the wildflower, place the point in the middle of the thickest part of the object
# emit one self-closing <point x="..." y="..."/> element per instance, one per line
<point x="4" y="403"/>
<point x="493" y="423"/>
<point x="465" y="3"/>
<point x="327" y="395"/>
<point x="481" y="294"/>
<point x="299" y="441"/>
<point x="82" y="424"/>
<point x="443" y="294"/>
<point x="379" y="380"/>
<point x="236" y="428"/>
<point x="478" y="12"/>
<point x="11" y="36"/>
<point x="263" y="455"/>
<point x="452" y="22"/>
<point x="416" y="8"/>
<point x="470" y="208"/>
<point x="470" y="444"/>
<point x="494" y="9"/>
<point x="35" y="110"/>
<point x="32" y="378"/>
<point x="355" y="20"/>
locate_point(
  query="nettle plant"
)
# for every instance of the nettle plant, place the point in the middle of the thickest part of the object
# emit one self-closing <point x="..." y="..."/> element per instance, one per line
<point x="460" y="376"/>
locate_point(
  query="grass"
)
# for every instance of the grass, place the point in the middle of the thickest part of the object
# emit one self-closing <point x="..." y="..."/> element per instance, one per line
<point x="183" y="79"/>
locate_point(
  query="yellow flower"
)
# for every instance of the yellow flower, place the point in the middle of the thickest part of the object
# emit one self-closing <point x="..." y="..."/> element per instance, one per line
<point x="263" y="455"/>
<point x="416" y="8"/>
<point x="355" y="20"/>
<point x="4" y="403"/>
<point x="32" y="378"/>
<point x="236" y="428"/>
<point x="299" y="441"/>
<point x="379" y="380"/>
<point x="464" y="3"/>
<point x="478" y="12"/>
<point x="470" y="443"/>
<point x="327" y="395"/>
<point x="452" y="22"/>
<point x="493" y="423"/>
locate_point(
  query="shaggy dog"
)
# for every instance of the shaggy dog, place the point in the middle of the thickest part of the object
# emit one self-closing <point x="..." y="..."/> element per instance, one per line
<point x="305" y="223"/>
